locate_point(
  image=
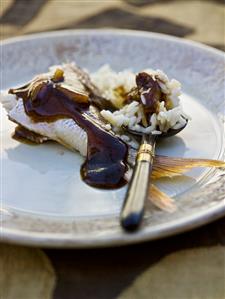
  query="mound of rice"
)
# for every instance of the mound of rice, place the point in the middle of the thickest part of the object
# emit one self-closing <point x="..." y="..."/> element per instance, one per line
<point x="130" y="115"/>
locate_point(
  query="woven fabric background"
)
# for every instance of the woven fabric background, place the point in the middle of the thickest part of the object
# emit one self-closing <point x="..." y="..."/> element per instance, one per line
<point x="189" y="266"/>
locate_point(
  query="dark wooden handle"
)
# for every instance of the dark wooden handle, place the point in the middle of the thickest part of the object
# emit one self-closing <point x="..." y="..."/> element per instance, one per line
<point x="137" y="192"/>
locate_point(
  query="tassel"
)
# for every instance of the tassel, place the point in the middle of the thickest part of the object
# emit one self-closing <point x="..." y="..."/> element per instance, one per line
<point x="161" y="199"/>
<point x="169" y="167"/>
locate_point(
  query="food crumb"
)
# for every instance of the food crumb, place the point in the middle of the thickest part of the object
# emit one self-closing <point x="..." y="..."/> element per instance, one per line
<point x="61" y="152"/>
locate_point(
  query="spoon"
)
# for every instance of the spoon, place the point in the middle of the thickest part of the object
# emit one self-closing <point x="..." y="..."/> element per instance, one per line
<point x="133" y="206"/>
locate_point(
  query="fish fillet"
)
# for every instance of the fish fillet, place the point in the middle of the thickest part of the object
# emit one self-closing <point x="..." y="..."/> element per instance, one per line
<point x="64" y="131"/>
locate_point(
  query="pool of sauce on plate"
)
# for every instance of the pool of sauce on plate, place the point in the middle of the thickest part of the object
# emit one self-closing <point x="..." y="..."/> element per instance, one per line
<point x="105" y="164"/>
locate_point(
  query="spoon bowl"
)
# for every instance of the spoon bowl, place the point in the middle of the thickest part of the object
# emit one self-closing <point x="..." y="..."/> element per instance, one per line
<point x="169" y="133"/>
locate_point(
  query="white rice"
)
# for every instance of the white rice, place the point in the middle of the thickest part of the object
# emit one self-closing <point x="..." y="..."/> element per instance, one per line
<point x="130" y="115"/>
<point x="108" y="80"/>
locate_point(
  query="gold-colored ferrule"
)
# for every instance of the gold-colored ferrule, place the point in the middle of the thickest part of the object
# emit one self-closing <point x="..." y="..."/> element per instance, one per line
<point x="145" y="153"/>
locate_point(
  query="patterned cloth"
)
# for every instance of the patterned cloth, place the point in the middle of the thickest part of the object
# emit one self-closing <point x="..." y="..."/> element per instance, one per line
<point x="154" y="270"/>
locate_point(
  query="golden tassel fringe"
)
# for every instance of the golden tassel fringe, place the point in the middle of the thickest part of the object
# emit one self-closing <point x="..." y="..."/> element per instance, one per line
<point x="161" y="199"/>
<point x="170" y="167"/>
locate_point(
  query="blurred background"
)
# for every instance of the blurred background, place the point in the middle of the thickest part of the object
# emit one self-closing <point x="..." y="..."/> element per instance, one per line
<point x="200" y="20"/>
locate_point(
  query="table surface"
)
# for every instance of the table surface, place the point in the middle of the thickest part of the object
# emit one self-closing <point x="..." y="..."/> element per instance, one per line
<point x="106" y="273"/>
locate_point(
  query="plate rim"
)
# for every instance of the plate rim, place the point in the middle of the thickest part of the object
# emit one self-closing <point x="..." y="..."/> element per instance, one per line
<point x="50" y="240"/>
<point x="67" y="241"/>
<point x="115" y="31"/>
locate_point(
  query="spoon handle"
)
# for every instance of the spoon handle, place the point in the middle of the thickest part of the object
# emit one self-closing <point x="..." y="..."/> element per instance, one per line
<point x="138" y="188"/>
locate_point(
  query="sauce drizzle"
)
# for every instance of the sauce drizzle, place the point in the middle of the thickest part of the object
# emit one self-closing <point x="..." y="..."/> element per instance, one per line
<point x="105" y="164"/>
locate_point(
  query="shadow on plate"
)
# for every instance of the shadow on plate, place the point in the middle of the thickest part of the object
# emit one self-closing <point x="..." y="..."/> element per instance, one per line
<point x="45" y="157"/>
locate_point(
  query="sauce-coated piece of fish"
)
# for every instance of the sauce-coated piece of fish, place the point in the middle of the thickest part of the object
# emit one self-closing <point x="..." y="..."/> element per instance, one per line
<point x="46" y="103"/>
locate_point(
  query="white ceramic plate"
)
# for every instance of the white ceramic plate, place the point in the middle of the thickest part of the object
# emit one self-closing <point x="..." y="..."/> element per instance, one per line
<point x="43" y="200"/>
